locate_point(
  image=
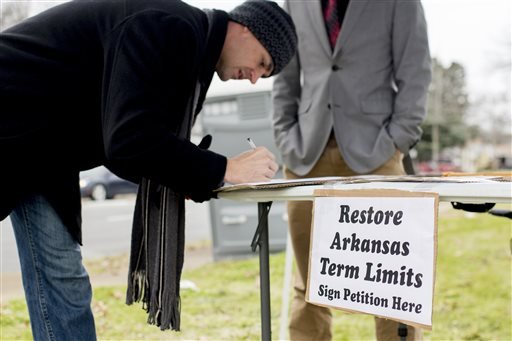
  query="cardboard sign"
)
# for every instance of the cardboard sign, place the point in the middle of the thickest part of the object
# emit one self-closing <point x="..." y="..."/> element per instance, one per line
<point x="374" y="252"/>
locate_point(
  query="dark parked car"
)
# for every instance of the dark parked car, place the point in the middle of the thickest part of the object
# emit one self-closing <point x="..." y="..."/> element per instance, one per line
<point x="100" y="184"/>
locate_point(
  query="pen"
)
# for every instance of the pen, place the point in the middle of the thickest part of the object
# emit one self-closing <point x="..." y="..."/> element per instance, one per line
<point x="251" y="143"/>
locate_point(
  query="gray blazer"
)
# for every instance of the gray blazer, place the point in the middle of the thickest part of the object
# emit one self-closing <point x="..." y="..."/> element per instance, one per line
<point x="371" y="89"/>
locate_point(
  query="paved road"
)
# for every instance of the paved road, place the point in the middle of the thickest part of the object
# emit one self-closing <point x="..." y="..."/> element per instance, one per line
<point x="107" y="230"/>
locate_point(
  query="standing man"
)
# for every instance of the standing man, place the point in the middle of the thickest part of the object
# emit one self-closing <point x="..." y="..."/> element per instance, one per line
<point x="117" y="83"/>
<point x="350" y="102"/>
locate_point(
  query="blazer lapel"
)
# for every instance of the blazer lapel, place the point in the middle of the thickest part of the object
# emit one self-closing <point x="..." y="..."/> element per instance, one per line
<point x="354" y="10"/>
<point x="314" y="9"/>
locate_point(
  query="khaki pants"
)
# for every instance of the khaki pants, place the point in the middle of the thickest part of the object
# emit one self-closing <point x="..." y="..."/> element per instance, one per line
<point x="310" y="322"/>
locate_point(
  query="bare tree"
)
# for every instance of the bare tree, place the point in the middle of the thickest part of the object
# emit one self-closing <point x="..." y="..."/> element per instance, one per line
<point x="447" y="108"/>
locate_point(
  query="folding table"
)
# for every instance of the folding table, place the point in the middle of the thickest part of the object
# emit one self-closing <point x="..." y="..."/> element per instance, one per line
<point x="469" y="190"/>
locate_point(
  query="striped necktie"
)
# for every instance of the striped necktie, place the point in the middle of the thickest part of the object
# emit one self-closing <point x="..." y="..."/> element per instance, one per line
<point x="332" y="22"/>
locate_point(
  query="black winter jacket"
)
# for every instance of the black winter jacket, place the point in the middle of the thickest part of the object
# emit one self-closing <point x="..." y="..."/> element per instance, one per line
<point x="94" y="82"/>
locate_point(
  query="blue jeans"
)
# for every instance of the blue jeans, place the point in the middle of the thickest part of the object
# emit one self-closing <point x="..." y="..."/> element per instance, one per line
<point x="57" y="287"/>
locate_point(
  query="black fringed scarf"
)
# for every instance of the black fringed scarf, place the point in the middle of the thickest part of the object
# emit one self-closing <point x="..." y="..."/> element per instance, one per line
<point x="158" y="235"/>
<point x="158" y="244"/>
<point x="156" y="262"/>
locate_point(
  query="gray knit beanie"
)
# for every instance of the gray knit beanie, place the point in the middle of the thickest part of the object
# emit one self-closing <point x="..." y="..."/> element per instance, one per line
<point x="272" y="26"/>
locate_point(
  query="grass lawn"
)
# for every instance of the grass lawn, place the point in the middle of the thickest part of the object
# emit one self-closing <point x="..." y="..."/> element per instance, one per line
<point x="472" y="295"/>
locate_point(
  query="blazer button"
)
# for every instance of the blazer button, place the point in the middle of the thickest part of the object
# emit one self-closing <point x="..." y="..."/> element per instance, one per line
<point x="335" y="67"/>
<point x="329" y="106"/>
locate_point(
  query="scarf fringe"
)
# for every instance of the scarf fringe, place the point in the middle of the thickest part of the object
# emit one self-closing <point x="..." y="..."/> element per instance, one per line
<point x="137" y="288"/>
<point x="165" y="316"/>
<point x="154" y="311"/>
<point x="170" y="318"/>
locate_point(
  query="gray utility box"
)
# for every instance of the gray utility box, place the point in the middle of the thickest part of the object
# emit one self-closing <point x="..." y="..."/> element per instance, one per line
<point x="231" y="119"/>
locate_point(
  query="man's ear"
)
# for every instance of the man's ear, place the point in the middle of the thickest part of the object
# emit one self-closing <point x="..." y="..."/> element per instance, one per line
<point x="237" y="31"/>
<point x="246" y="32"/>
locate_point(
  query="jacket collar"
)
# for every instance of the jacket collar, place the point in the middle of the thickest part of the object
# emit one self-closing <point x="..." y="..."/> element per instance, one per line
<point x="354" y="10"/>
<point x="217" y="26"/>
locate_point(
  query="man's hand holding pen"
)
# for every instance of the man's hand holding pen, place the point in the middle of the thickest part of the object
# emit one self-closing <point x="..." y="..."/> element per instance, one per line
<point x="255" y="165"/>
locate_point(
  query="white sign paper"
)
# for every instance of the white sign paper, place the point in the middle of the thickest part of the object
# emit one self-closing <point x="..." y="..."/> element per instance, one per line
<point x="375" y="254"/>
